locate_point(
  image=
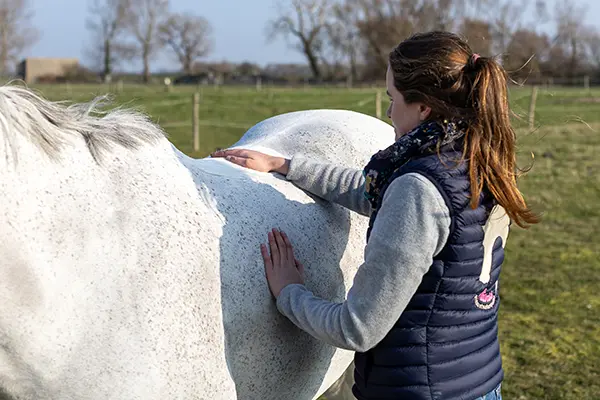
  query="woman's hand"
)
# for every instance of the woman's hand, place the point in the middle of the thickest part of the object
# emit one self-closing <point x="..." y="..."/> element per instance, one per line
<point x="281" y="267"/>
<point x="255" y="160"/>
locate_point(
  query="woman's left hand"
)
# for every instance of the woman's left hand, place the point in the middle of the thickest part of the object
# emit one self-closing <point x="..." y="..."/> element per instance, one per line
<point x="281" y="267"/>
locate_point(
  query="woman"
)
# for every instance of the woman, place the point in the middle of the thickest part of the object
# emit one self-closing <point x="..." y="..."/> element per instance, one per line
<point x="423" y="309"/>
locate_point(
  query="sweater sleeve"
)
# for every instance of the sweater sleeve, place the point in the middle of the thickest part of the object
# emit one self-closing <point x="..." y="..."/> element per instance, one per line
<point x="344" y="186"/>
<point x="412" y="226"/>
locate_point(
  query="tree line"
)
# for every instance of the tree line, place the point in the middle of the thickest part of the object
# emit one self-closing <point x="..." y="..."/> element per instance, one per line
<point x="354" y="37"/>
<point x="339" y="39"/>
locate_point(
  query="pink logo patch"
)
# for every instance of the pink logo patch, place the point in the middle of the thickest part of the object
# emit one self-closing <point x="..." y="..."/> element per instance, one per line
<point x="486" y="299"/>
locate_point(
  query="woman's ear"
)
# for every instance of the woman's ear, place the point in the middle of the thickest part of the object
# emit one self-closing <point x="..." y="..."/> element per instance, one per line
<point x="424" y="112"/>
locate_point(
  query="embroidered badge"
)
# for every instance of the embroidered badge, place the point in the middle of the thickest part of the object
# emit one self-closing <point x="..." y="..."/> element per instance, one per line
<point x="486" y="299"/>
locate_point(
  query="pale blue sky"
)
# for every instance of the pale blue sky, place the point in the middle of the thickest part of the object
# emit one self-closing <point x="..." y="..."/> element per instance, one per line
<point x="239" y="29"/>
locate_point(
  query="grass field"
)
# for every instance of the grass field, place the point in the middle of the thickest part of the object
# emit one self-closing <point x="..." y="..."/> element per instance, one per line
<point x="550" y="313"/>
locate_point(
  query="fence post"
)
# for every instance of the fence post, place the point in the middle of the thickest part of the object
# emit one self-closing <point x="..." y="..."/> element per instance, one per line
<point x="586" y="82"/>
<point x="258" y="83"/>
<point x="534" y="92"/>
<point x="196" y="121"/>
<point x="378" y="104"/>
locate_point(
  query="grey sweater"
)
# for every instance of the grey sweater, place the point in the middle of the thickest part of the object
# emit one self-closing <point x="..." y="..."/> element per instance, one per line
<point x="412" y="226"/>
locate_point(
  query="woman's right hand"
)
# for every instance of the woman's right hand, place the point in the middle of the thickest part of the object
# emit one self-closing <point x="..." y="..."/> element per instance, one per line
<point x="255" y="160"/>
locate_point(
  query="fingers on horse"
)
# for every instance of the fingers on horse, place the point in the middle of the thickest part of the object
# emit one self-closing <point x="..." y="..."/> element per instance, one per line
<point x="237" y="152"/>
<point x="266" y="257"/>
<point x="286" y="239"/>
<point x="300" y="267"/>
<point x="242" y="153"/>
<point x="288" y="246"/>
<point x="237" y="160"/>
<point x="225" y="152"/>
<point x="283" y="253"/>
<point x="274" y="250"/>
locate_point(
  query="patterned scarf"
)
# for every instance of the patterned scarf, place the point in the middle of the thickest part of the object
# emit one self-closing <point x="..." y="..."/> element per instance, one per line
<point x="421" y="141"/>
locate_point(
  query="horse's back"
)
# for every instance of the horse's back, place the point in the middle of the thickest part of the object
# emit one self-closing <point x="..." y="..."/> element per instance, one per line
<point x="342" y="137"/>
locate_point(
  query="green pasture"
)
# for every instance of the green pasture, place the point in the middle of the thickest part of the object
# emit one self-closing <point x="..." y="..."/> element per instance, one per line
<point x="550" y="289"/>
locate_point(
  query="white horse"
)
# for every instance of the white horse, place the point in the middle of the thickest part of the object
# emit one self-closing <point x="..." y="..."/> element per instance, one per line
<point x="131" y="271"/>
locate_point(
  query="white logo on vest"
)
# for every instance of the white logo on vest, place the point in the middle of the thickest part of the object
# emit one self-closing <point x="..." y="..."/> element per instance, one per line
<point x="497" y="226"/>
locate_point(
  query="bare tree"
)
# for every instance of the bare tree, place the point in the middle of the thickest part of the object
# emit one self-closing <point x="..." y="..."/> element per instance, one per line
<point x="447" y="15"/>
<point x="16" y="32"/>
<point x="189" y="37"/>
<point x="367" y="30"/>
<point x="380" y="24"/>
<point x="144" y="19"/>
<point x="541" y="11"/>
<point x="506" y="18"/>
<point x="478" y="34"/>
<point x="305" y="20"/>
<point x="570" y="32"/>
<point x="526" y="54"/>
<point x="592" y="42"/>
<point x="106" y="24"/>
<point x="343" y="36"/>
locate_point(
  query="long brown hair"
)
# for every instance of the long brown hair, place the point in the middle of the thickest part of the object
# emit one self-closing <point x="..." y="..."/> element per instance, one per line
<point x="439" y="69"/>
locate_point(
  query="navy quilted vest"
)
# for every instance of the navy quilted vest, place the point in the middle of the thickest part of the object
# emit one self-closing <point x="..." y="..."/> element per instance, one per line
<point x="444" y="346"/>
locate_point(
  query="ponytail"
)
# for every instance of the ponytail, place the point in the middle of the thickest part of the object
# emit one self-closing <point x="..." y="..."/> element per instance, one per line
<point x="491" y="143"/>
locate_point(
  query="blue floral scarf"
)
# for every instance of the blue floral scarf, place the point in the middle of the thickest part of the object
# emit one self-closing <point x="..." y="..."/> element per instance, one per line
<point x="425" y="139"/>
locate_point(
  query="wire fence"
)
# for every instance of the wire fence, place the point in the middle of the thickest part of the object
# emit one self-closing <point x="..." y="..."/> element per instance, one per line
<point x="201" y="118"/>
<point x="195" y="123"/>
<point x="529" y="115"/>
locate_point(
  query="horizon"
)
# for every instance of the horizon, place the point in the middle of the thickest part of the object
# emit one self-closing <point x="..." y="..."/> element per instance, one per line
<point x="248" y="44"/>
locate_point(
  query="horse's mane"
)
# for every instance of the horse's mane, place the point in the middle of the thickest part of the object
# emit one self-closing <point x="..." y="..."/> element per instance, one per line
<point x="49" y="124"/>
